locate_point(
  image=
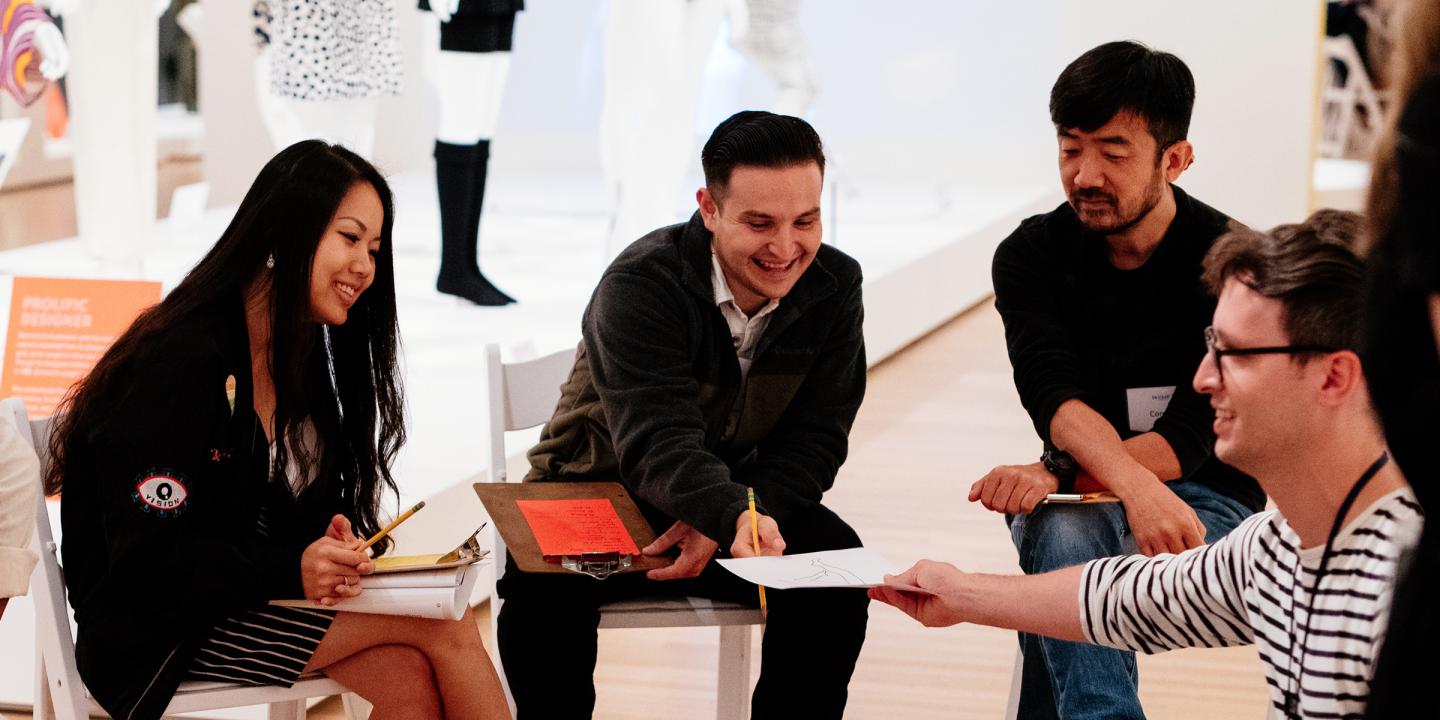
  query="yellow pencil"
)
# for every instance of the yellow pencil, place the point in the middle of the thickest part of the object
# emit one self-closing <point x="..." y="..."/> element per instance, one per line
<point x="393" y="524"/>
<point x="755" y="540"/>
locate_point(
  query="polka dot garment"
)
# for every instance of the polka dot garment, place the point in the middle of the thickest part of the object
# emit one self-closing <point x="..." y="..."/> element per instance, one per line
<point x="335" y="49"/>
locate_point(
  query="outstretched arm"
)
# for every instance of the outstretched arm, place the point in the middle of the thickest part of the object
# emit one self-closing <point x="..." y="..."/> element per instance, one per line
<point x="1149" y="605"/>
<point x="1045" y="604"/>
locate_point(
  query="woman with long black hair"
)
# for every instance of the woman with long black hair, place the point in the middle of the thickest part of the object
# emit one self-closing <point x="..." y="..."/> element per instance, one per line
<point x="1402" y="344"/>
<point x="230" y="448"/>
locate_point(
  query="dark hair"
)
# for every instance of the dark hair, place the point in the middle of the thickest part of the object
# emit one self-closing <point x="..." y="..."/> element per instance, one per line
<point x="1126" y="76"/>
<point x="343" y="378"/>
<point x="1414" y="59"/>
<point x="756" y="137"/>
<point x="1312" y="268"/>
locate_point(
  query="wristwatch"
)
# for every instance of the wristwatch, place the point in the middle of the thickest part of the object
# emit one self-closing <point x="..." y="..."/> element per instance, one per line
<point x="1062" y="466"/>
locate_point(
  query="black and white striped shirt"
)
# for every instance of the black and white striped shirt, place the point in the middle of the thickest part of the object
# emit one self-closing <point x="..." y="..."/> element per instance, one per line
<point x="1253" y="585"/>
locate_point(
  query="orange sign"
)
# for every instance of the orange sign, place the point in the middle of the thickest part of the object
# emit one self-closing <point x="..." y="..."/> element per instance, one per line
<point x="59" y="328"/>
<point x="574" y="527"/>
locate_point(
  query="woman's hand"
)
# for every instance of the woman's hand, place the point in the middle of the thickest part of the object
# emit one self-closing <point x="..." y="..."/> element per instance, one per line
<point x="341" y="530"/>
<point x="330" y="568"/>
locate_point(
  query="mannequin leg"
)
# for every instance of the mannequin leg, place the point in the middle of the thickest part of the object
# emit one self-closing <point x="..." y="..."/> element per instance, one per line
<point x="773" y="40"/>
<point x="348" y="122"/>
<point x="460" y="181"/>
<point x="469" y="87"/>
<point x="655" y="51"/>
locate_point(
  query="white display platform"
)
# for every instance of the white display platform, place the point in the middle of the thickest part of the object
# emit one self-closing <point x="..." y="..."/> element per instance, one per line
<point x="1341" y="184"/>
<point x="925" y="250"/>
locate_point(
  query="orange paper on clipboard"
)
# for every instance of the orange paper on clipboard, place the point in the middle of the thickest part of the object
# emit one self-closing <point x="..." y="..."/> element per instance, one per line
<point x="575" y="527"/>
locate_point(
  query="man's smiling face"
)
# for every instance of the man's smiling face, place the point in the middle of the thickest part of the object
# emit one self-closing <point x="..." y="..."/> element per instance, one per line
<point x="767" y="229"/>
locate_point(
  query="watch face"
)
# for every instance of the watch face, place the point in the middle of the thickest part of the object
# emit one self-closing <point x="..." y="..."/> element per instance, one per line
<point x="1059" y="463"/>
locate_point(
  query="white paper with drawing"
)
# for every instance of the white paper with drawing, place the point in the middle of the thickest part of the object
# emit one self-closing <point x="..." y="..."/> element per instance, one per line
<point x="853" y="568"/>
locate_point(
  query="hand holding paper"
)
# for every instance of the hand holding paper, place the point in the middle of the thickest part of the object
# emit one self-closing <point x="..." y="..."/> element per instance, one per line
<point x="852" y="568"/>
<point x="925" y="592"/>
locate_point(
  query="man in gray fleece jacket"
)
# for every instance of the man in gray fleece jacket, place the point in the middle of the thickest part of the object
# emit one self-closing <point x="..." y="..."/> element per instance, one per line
<point x="718" y="354"/>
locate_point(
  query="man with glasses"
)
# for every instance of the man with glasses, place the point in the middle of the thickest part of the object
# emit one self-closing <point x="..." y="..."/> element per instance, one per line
<point x="1103" y="312"/>
<point x="1308" y="583"/>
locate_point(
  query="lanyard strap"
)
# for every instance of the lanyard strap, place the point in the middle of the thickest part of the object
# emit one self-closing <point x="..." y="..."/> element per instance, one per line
<point x="1292" y="700"/>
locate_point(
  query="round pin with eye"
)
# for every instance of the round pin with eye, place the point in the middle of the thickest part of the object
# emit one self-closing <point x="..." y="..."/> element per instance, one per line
<point x="162" y="492"/>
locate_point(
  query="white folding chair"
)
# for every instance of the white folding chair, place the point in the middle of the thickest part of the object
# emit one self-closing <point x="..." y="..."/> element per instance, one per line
<point x="1012" y="703"/>
<point x="59" y="692"/>
<point x="523" y="395"/>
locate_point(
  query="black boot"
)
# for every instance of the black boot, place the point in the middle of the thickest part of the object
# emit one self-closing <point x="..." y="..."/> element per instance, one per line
<point x="460" y="179"/>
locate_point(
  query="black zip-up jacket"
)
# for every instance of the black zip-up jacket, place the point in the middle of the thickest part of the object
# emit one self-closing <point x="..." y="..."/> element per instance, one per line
<point x="160" y="506"/>
<point x="656" y="377"/>
<point x="1078" y="327"/>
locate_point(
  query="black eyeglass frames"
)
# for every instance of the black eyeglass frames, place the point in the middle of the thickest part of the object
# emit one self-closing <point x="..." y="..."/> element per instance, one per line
<point x="1216" y="353"/>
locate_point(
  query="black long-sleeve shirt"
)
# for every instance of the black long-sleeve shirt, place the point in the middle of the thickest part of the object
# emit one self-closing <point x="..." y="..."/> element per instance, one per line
<point x="1078" y="327"/>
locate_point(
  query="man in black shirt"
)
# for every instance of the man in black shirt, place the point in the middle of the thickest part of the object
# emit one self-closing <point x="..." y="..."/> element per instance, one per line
<point x="1104" y="315"/>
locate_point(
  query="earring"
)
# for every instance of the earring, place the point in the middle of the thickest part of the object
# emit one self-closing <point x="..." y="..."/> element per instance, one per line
<point x="270" y="261"/>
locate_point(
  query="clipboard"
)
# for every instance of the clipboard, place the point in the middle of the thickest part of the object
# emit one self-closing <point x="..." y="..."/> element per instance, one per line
<point x="467" y="553"/>
<point x="500" y="500"/>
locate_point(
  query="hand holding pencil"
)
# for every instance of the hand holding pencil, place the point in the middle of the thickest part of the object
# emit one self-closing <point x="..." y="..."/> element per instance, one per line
<point x="751" y="544"/>
<point x="330" y="567"/>
<point x="763" y="540"/>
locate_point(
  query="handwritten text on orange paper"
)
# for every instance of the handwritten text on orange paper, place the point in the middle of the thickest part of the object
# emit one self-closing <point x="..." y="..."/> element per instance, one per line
<point x="572" y="527"/>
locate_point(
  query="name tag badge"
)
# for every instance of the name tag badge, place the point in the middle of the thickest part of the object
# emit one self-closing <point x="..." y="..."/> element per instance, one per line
<point x="1147" y="405"/>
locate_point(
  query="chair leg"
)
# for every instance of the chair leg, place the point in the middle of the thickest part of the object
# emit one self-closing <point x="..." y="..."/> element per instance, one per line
<point x="1012" y="706"/>
<point x="356" y="707"/>
<point x="292" y="710"/>
<point x="44" y="703"/>
<point x="732" y="699"/>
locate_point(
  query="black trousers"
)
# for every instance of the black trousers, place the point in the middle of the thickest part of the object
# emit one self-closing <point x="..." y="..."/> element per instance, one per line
<point x="812" y="637"/>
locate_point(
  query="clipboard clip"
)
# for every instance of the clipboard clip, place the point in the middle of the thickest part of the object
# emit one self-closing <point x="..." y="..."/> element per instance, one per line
<point x="468" y="550"/>
<point x="599" y="565"/>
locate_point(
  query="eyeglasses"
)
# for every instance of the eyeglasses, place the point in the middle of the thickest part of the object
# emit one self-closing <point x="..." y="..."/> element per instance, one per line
<point x="1212" y="347"/>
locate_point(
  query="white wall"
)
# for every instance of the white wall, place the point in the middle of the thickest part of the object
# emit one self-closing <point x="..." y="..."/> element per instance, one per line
<point x="910" y="89"/>
<point x="1255" y="69"/>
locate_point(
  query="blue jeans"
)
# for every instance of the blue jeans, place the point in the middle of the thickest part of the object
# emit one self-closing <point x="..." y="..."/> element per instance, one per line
<point x="1077" y="680"/>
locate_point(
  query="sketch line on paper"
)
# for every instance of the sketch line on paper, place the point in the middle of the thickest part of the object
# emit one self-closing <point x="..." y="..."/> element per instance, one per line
<point x="826" y="574"/>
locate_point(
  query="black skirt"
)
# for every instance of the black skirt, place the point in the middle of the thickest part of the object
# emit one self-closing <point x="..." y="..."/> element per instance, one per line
<point x="479" y="26"/>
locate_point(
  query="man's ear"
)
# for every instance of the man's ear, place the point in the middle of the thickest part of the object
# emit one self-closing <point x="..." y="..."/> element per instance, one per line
<point x="1177" y="159"/>
<point x="709" y="208"/>
<point x="1344" y="377"/>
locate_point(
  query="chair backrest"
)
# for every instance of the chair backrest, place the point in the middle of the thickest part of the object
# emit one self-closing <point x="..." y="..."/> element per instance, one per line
<point x="59" y="677"/>
<point x="522" y="395"/>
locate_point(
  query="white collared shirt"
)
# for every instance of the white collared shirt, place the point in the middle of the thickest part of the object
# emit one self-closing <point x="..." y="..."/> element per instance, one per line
<point x="745" y="332"/>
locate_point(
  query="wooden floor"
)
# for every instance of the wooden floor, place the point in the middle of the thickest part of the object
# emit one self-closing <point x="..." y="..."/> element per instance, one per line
<point x="936" y="417"/>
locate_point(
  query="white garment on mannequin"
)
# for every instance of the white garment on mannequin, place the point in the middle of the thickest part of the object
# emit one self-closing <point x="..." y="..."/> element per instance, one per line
<point x="655" y="51"/>
<point x="469" y="87"/>
<point x="54" y="55"/>
<point x="768" y="32"/>
<point x="112" y="95"/>
<point x="348" y="122"/>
